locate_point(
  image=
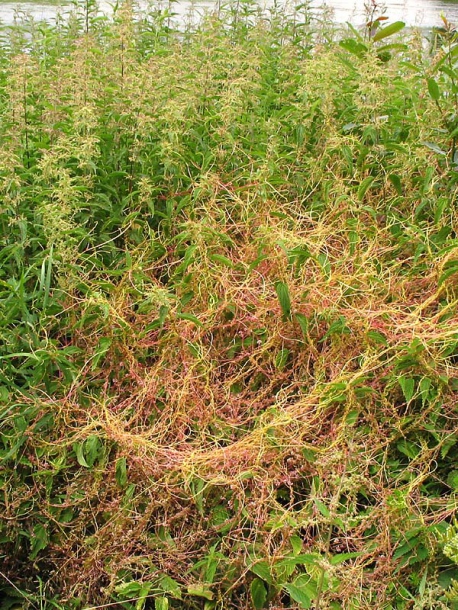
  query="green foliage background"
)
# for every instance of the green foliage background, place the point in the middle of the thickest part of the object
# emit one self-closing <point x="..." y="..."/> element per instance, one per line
<point x="228" y="313"/>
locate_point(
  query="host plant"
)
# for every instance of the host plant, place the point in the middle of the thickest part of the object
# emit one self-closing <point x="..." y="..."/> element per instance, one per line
<point x="228" y="313"/>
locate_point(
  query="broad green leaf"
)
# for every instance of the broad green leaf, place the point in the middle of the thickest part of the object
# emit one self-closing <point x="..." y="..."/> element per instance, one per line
<point x="447" y="445"/>
<point x="452" y="480"/>
<point x="353" y="46"/>
<point x="129" y="589"/>
<point x="102" y="348"/>
<point x="281" y="359"/>
<point x="405" y="548"/>
<point x="433" y="89"/>
<point x="298" y="595"/>
<point x="39" y="541"/>
<point x="336" y="559"/>
<point x="296" y="544"/>
<point x="258" y="593"/>
<point x="200" y="590"/>
<point x="299" y="560"/>
<point x="352" y="417"/>
<point x="92" y="448"/>
<point x="435" y="148"/>
<point x="408" y="387"/>
<point x="220" y="516"/>
<point x="298" y="255"/>
<point x="164" y="535"/>
<point x="169" y="585"/>
<point x="307" y="585"/>
<point x="161" y="603"/>
<point x="377" y="337"/>
<point x="365" y="186"/>
<point x="190" y="318"/>
<point x="163" y="311"/>
<point x="187" y="259"/>
<point x="121" y="472"/>
<point x="223" y="260"/>
<point x="323" y="260"/>
<point x="142" y="595"/>
<point x="284" y="299"/>
<point x="408" y="448"/>
<point x="262" y="569"/>
<point x="338" y="327"/>
<point x="425" y="387"/>
<point x="78" y="449"/>
<point x="66" y="516"/>
<point x="389" y="30"/>
<point x="212" y="566"/>
<point x="303" y="323"/>
<point x="396" y="182"/>
<point x="324" y="510"/>
<point x="449" y="269"/>
<point x="393" y="45"/>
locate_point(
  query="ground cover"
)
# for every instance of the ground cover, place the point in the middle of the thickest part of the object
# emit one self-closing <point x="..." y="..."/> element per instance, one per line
<point x="228" y="324"/>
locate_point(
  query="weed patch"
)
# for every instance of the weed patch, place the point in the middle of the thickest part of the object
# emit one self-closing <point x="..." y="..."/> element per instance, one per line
<point x="228" y="313"/>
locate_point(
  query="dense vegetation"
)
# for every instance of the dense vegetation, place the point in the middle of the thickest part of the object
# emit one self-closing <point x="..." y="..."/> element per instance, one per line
<point x="228" y="314"/>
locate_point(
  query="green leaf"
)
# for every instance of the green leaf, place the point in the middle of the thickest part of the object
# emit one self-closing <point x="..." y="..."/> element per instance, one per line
<point x="281" y="359"/>
<point x="169" y="585"/>
<point x="190" y="318"/>
<point x="262" y="569"/>
<point x="102" y="348"/>
<point x="121" y="472"/>
<point x="92" y="449"/>
<point x="200" y="590"/>
<point x="298" y="595"/>
<point x="365" y="186"/>
<point x="408" y="387"/>
<point x="299" y="560"/>
<point x="161" y="603"/>
<point x="434" y="147"/>
<point x="307" y="585"/>
<point x="352" y="417"/>
<point x="39" y="541"/>
<point x="296" y="544"/>
<point x="78" y="449"/>
<point x="298" y="255"/>
<point x="223" y="260"/>
<point x="408" y="448"/>
<point x="396" y="182"/>
<point x="338" y="327"/>
<point x="323" y="260"/>
<point x="128" y="589"/>
<point x="284" y="299"/>
<point x="336" y="559"/>
<point x="391" y="29"/>
<point x="449" y="269"/>
<point x="446" y="446"/>
<point x="353" y="46"/>
<point x="303" y="323"/>
<point x="258" y="593"/>
<point x="433" y="89"/>
<point x="322" y="508"/>
<point x="377" y="337"/>
<point x="425" y="387"/>
<point x="405" y="548"/>
<point x="187" y="259"/>
<point x="163" y="311"/>
<point x="142" y="595"/>
<point x="452" y="480"/>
